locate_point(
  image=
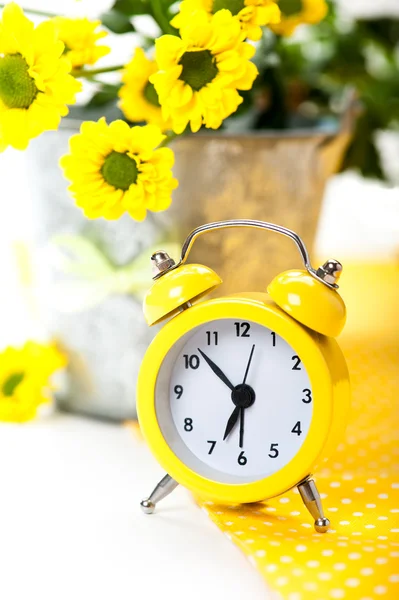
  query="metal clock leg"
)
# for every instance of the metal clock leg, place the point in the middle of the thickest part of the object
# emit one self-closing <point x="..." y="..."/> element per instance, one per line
<point x="163" y="489"/>
<point x="312" y="501"/>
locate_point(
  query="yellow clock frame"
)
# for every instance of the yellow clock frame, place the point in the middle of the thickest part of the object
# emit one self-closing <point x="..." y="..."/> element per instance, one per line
<point x="326" y="369"/>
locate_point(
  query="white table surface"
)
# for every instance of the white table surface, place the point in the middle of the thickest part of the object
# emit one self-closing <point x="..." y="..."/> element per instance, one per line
<point x="71" y="526"/>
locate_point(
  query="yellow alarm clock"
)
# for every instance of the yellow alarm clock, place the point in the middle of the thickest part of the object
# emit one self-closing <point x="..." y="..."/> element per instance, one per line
<point x="240" y="398"/>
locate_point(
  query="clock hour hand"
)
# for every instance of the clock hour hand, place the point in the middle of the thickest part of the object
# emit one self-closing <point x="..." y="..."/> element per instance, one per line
<point x="232" y="421"/>
<point x="216" y="370"/>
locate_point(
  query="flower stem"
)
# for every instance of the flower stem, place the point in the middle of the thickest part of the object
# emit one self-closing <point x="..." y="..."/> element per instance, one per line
<point x="90" y="72"/>
<point x="33" y="11"/>
<point x="169" y="138"/>
<point x="158" y="12"/>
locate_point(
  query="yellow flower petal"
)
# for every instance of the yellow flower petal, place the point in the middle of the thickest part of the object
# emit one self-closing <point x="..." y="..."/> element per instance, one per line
<point x="180" y="94"/>
<point x="168" y="50"/>
<point x="313" y="11"/>
<point x="138" y="99"/>
<point x="80" y="38"/>
<point x="14" y="128"/>
<point x="256" y="13"/>
<point x="15" y="29"/>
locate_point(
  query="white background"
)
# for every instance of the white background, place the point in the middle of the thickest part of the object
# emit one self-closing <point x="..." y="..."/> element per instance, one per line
<point x="72" y="529"/>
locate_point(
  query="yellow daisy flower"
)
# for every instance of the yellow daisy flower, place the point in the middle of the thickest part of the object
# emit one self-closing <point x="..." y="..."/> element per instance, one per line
<point x="201" y="71"/>
<point x="139" y="100"/>
<point x="251" y="14"/>
<point x="80" y="38"/>
<point x="298" y="12"/>
<point x="25" y="379"/>
<point x="116" y="169"/>
<point x="35" y="84"/>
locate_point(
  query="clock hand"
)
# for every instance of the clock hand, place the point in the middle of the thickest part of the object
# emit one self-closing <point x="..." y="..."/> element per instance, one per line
<point x="241" y="402"/>
<point x="241" y="442"/>
<point x="249" y="364"/>
<point x="216" y="370"/>
<point x="232" y="421"/>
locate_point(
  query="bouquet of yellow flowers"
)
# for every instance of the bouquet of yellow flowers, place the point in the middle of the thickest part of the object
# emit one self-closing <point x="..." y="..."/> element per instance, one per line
<point x="200" y="67"/>
<point x="193" y="76"/>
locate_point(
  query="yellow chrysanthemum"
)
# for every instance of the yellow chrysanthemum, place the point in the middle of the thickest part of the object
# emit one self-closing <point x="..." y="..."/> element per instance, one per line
<point x="139" y="100"/>
<point x="35" y="84"/>
<point x="116" y="169"/>
<point x="251" y="14"/>
<point x="80" y="38"/>
<point x="25" y="379"/>
<point x="201" y="71"/>
<point x="298" y="12"/>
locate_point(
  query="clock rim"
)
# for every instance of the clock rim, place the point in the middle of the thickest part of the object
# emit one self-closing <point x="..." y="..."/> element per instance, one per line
<point x="306" y="343"/>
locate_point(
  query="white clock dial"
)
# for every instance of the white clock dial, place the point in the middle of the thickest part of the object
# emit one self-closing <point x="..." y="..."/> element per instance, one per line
<point x="234" y="401"/>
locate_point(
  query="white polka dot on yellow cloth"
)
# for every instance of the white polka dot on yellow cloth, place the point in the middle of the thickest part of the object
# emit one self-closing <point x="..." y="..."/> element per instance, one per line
<point x="358" y="560"/>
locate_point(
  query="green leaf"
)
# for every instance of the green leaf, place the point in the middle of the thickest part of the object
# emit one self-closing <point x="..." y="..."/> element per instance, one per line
<point x="117" y="22"/>
<point x="132" y="7"/>
<point x="384" y="31"/>
<point x="102" y="97"/>
<point x="362" y="153"/>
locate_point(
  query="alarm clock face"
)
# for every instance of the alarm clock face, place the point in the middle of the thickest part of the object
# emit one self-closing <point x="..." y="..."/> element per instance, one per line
<point x="233" y="401"/>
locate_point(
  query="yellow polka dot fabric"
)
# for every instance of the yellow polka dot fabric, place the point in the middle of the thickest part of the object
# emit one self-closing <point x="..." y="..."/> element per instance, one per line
<point x="358" y="559"/>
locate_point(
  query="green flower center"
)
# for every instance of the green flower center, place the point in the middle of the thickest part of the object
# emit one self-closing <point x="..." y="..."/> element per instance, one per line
<point x="11" y="383"/>
<point x="150" y="94"/>
<point x="234" y="6"/>
<point x="17" y="88"/>
<point x="199" y="68"/>
<point x="290" y="7"/>
<point x="119" y="170"/>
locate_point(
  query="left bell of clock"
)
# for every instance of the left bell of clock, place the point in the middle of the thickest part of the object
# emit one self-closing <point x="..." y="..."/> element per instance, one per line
<point x="176" y="288"/>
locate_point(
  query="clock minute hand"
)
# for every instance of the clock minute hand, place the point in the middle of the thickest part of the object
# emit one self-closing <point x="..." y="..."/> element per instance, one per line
<point x="249" y="364"/>
<point x="242" y="411"/>
<point x="241" y="442"/>
<point x="216" y="370"/>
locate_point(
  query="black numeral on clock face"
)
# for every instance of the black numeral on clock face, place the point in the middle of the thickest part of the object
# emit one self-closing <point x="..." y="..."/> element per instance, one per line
<point x="297" y="362"/>
<point x="212" y="337"/>
<point x="273" y="337"/>
<point x="242" y="329"/>
<point x="242" y="459"/>
<point x="188" y="424"/>
<point x="191" y="362"/>
<point x="297" y="428"/>
<point x="308" y="396"/>
<point x="273" y="451"/>
<point x="178" y="389"/>
<point x="212" y="447"/>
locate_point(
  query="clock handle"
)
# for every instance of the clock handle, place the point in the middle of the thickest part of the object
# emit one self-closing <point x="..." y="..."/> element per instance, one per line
<point x="328" y="274"/>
